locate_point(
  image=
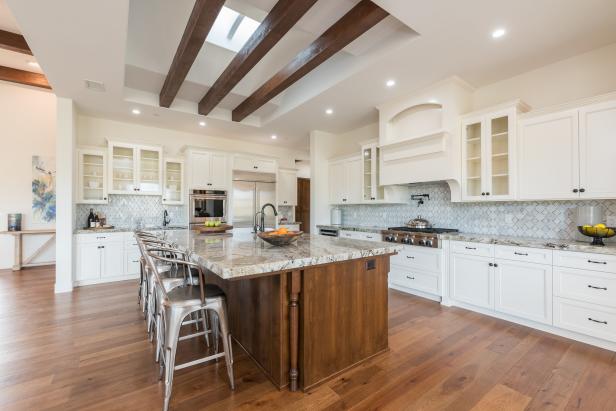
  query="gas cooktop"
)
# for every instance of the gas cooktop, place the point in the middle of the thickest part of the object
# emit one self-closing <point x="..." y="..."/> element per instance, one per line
<point x="423" y="237"/>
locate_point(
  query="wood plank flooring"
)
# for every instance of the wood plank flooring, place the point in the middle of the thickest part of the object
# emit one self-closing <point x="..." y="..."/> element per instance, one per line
<point x="88" y="350"/>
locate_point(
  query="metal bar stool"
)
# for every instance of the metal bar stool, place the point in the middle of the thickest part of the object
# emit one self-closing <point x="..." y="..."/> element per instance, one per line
<point x="177" y="305"/>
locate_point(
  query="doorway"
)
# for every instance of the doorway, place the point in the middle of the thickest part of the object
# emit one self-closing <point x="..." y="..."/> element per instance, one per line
<point x="302" y="210"/>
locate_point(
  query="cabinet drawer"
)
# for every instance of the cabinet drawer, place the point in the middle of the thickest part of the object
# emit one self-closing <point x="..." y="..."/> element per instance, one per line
<point x="529" y="255"/>
<point x="132" y="264"/>
<point x="98" y="238"/>
<point x="428" y="259"/>
<point x="414" y="279"/>
<point x="586" y="261"/>
<point x="478" y="249"/>
<point x="347" y="234"/>
<point x="584" y="285"/>
<point x="589" y="319"/>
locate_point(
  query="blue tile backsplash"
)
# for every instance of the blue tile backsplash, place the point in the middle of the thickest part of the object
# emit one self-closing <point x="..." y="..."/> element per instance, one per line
<point x="537" y="219"/>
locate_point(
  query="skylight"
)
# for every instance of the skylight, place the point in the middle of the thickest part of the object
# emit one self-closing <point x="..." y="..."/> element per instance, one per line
<point x="231" y="29"/>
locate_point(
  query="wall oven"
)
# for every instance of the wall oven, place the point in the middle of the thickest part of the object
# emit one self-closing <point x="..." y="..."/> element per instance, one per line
<point x="206" y="204"/>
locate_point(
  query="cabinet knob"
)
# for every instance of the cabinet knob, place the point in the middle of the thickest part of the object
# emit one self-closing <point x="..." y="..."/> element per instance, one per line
<point x="491" y="265"/>
<point x="488" y="193"/>
<point x="483" y="194"/>
<point x="575" y="190"/>
<point x="582" y="190"/>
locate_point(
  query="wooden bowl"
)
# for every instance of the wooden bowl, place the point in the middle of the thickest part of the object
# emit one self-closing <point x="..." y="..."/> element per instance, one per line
<point x="280" y="239"/>
<point x="212" y="230"/>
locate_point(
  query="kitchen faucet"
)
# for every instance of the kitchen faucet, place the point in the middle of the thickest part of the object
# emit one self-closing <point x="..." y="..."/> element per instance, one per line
<point x="166" y="219"/>
<point x="261" y="227"/>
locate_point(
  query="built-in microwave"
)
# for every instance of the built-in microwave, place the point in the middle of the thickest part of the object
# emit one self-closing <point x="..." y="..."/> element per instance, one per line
<point x="206" y="204"/>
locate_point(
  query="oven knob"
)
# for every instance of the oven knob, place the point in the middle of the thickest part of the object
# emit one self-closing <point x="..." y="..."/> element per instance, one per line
<point x="406" y="240"/>
<point x="411" y="240"/>
<point x="389" y="238"/>
<point x="428" y="243"/>
<point x="421" y="242"/>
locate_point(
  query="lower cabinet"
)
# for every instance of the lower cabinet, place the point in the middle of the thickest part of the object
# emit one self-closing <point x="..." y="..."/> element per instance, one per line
<point x="472" y="280"/>
<point x="419" y="269"/>
<point x="414" y="279"/>
<point x="111" y="260"/>
<point x="523" y="290"/>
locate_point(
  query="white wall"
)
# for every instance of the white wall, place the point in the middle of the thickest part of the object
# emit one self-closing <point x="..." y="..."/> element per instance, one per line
<point x="92" y="131"/>
<point x="27" y="127"/>
<point x="585" y="75"/>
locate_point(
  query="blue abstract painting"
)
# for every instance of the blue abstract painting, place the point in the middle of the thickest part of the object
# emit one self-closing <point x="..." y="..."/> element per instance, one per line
<point x="43" y="189"/>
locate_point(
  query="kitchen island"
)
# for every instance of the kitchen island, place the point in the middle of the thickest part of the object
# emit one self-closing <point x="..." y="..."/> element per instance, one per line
<point x="305" y="312"/>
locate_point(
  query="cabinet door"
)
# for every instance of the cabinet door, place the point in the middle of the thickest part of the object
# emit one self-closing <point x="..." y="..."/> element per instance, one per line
<point x="112" y="257"/>
<point x="92" y="177"/>
<point x="123" y="169"/>
<point x="173" y="182"/>
<point x="499" y="143"/>
<point x="472" y="160"/>
<point x="150" y="170"/>
<point x="472" y="280"/>
<point x="354" y="181"/>
<point x="337" y="183"/>
<point x="548" y="167"/>
<point x="88" y="262"/>
<point x="524" y="290"/>
<point x="265" y="166"/>
<point x="597" y="146"/>
<point x="218" y="172"/>
<point x="200" y="164"/>
<point x="132" y="263"/>
<point x="287" y="187"/>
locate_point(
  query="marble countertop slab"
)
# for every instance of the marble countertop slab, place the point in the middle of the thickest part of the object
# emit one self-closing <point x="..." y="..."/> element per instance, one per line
<point x="126" y="229"/>
<point x="362" y="228"/>
<point x="244" y="254"/>
<point x="551" y="244"/>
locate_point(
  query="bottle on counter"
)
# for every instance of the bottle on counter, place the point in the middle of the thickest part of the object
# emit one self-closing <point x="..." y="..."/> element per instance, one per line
<point x="91" y="219"/>
<point x="97" y="221"/>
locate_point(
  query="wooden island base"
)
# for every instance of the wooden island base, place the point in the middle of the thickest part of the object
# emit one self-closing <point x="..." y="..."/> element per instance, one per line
<point x="306" y="326"/>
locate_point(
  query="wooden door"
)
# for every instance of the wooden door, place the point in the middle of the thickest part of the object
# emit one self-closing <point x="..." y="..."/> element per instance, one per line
<point x="302" y="210"/>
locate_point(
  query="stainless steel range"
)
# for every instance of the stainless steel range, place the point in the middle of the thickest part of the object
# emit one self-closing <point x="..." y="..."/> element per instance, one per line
<point x="417" y="231"/>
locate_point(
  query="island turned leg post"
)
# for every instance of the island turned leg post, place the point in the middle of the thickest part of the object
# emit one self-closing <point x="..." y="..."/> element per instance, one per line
<point x="295" y="288"/>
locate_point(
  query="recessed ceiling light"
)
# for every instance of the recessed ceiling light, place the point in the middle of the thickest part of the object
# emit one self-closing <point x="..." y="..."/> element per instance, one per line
<point x="329" y="111"/>
<point x="33" y="64"/>
<point x="433" y="101"/>
<point x="136" y="111"/>
<point x="202" y="123"/>
<point x="274" y="136"/>
<point x="390" y="83"/>
<point x="498" y="33"/>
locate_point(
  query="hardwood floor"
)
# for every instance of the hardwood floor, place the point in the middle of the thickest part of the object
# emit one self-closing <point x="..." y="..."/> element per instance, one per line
<point x="88" y="351"/>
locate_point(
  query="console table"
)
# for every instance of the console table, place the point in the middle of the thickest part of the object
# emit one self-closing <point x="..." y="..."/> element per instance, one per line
<point x="19" y="262"/>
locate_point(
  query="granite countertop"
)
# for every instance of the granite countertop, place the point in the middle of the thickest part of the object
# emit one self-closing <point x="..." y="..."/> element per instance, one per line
<point x="126" y="229"/>
<point x="362" y="228"/>
<point x="551" y="244"/>
<point x="244" y="254"/>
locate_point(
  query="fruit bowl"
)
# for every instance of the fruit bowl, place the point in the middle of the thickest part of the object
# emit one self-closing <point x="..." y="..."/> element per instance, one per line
<point x="280" y="239"/>
<point x="597" y="232"/>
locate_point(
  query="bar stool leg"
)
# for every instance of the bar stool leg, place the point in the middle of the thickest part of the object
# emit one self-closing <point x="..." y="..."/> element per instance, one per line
<point x="226" y="342"/>
<point x="205" y="327"/>
<point x="172" y="333"/>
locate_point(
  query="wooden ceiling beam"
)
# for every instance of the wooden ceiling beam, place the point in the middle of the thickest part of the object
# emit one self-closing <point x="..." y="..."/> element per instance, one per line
<point x="199" y="24"/>
<point x="23" y="77"/>
<point x="283" y="16"/>
<point x="356" y="22"/>
<point x="14" y="42"/>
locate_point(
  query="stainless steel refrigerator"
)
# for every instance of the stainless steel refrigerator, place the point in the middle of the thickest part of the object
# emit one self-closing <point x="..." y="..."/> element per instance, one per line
<point x="250" y="192"/>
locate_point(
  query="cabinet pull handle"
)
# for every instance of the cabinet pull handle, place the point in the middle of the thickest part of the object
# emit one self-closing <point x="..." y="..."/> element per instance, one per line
<point x="410" y="256"/>
<point x="135" y="261"/>
<point x="101" y="246"/>
<point x="597" y="262"/>
<point x="597" y="321"/>
<point x="368" y="236"/>
<point x="523" y="254"/>
<point x="470" y="248"/>
<point x="100" y="238"/>
<point x="410" y="278"/>
<point x="597" y="288"/>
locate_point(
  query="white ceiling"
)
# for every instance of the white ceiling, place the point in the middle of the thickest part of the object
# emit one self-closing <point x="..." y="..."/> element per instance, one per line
<point x="11" y="58"/>
<point x="130" y="48"/>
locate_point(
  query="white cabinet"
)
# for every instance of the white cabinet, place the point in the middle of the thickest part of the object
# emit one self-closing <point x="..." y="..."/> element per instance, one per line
<point x="371" y="190"/>
<point x="417" y="270"/>
<point x="597" y="142"/>
<point x="345" y="181"/>
<point x="89" y="264"/>
<point x="488" y="155"/>
<point x="135" y="169"/>
<point x="360" y="235"/>
<point x="472" y="280"/>
<point x="112" y="259"/>
<point x="523" y="289"/>
<point x="245" y="163"/>
<point x="173" y="182"/>
<point x="92" y="177"/>
<point x="208" y="171"/>
<point x="287" y="187"/>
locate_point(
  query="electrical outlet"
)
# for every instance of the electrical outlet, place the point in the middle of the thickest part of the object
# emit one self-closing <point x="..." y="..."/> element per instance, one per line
<point x="611" y="220"/>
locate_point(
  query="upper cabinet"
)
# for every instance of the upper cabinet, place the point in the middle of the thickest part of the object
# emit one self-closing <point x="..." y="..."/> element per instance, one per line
<point x="245" y="163"/>
<point x="345" y="181"/>
<point x="173" y="182"/>
<point x="287" y="187"/>
<point x="92" y="177"/>
<point x="566" y="155"/>
<point x="371" y="190"/>
<point x="209" y="170"/>
<point x="488" y="155"/>
<point x="135" y="169"/>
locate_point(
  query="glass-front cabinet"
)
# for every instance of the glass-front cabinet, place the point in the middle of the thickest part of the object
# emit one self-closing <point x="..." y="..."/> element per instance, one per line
<point x="173" y="182"/>
<point x="488" y="156"/>
<point x="371" y="190"/>
<point x="135" y="169"/>
<point x="92" y="184"/>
